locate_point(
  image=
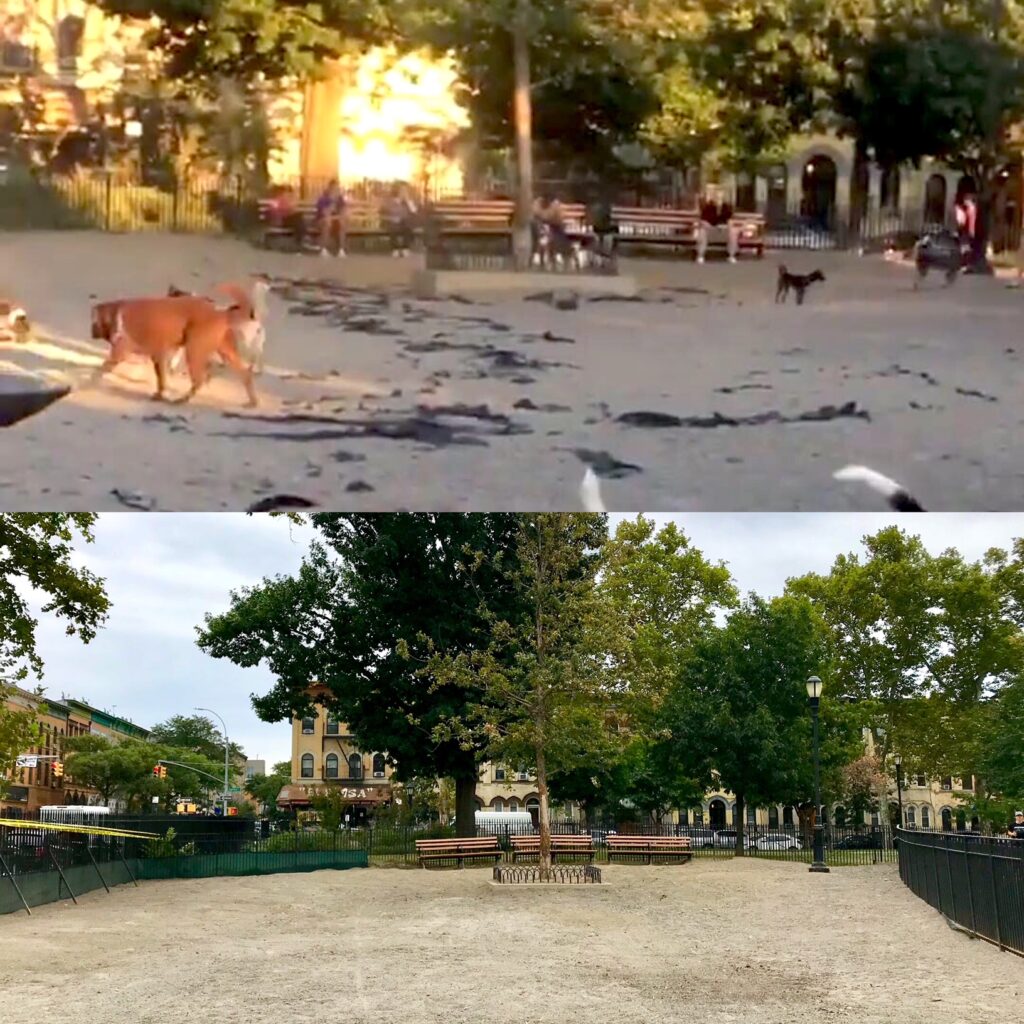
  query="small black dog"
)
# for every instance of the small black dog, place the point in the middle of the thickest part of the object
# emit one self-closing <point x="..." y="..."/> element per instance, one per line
<point x="798" y="282"/>
<point x="938" y="250"/>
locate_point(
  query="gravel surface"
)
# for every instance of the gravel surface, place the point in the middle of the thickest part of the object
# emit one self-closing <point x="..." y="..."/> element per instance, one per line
<point x="708" y="942"/>
<point x="519" y="394"/>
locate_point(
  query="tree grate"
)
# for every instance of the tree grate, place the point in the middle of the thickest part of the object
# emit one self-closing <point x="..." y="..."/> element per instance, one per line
<point x="576" y="874"/>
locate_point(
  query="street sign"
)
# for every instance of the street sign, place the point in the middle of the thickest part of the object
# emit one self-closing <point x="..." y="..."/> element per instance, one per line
<point x="26" y="761"/>
<point x="235" y="789"/>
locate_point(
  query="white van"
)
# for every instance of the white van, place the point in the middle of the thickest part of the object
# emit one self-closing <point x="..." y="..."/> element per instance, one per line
<point x="516" y="823"/>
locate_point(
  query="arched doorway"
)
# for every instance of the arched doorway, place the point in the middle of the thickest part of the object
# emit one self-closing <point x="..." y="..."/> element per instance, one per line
<point x="839" y="814"/>
<point x="773" y="816"/>
<point x="788" y="817"/>
<point x="947" y="820"/>
<point x="935" y="200"/>
<point x="716" y="813"/>
<point x="818" y="190"/>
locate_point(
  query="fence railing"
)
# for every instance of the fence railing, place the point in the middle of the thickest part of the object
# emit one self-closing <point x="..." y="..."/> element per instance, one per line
<point x="211" y="204"/>
<point x="975" y="881"/>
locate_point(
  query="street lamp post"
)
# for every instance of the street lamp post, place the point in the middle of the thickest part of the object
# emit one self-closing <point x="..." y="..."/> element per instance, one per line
<point x="899" y="785"/>
<point x="814" y="688"/>
<point x="224" y="724"/>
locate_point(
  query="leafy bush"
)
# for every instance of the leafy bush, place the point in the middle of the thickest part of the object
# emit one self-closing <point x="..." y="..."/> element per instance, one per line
<point x="289" y="842"/>
<point x="163" y="847"/>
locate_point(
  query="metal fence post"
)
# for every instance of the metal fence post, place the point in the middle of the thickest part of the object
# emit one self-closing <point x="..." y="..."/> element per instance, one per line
<point x="970" y="893"/>
<point x="108" y="197"/>
<point x="995" y="894"/>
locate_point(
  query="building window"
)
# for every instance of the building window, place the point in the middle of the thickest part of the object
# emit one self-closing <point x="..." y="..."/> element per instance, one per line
<point x="333" y="726"/>
<point x="331" y="766"/>
<point x="308" y="725"/>
<point x="911" y="817"/>
<point x="307" y="766"/>
<point x="947" y="783"/>
<point x="684" y="817"/>
<point x="522" y="776"/>
<point x="926" y="818"/>
<point x="499" y="804"/>
<point x="355" y="766"/>
<point x="921" y="781"/>
<point x="751" y="814"/>
<point x="499" y="774"/>
<point x="839" y="816"/>
<point x="876" y="821"/>
<point x="773" y="816"/>
<point x="967" y="782"/>
<point x="378" y="766"/>
<point x="698" y="816"/>
<point x="787" y="816"/>
<point x="513" y="805"/>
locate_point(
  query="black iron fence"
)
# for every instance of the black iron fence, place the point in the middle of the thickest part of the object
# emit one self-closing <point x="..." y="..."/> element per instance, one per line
<point x="975" y="881"/>
<point x="230" y="205"/>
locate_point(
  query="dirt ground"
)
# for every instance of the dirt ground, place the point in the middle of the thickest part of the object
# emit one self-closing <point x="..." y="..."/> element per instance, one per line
<point x="712" y="941"/>
<point x="375" y="401"/>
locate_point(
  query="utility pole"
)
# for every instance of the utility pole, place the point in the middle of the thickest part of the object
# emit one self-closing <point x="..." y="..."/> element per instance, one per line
<point x="523" y="115"/>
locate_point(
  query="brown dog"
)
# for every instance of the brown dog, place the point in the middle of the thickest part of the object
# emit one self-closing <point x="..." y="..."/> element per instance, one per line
<point x="156" y="327"/>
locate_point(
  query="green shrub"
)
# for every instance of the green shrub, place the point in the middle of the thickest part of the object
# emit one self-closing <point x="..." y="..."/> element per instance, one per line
<point x="163" y="847"/>
<point x="288" y="842"/>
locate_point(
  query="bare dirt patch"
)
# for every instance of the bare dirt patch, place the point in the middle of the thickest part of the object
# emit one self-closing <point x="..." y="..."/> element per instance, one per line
<point x="713" y="941"/>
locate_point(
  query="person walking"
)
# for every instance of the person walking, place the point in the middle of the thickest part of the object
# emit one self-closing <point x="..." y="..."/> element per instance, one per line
<point x="1016" y="830"/>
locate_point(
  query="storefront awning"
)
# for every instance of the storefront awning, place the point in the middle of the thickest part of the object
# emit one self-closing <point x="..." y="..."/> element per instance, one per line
<point x="357" y="795"/>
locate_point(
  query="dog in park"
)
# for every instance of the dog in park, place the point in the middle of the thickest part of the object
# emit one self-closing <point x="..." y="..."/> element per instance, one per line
<point x="14" y="322"/>
<point x="898" y="497"/>
<point x="797" y="283"/>
<point x="556" y="251"/>
<point x="938" y="250"/>
<point x="250" y="309"/>
<point x="158" y="327"/>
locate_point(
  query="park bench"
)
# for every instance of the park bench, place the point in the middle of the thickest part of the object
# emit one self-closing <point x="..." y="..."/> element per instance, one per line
<point x="363" y="226"/>
<point x="459" y="850"/>
<point x="649" y="847"/>
<point x="457" y="230"/>
<point x="658" y="226"/>
<point x="572" y="846"/>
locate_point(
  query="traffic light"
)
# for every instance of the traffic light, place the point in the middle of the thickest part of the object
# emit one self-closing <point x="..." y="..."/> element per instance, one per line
<point x="160" y="771"/>
<point x="163" y="772"/>
<point x="232" y="810"/>
<point x="58" y="769"/>
<point x="156" y="770"/>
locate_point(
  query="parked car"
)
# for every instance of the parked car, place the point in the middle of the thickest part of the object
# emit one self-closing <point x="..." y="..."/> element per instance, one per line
<point x="859" y="841"/>
<point x="775" y="841"/>
<point x="724" y="838"/>
<point x="699" y="835"/>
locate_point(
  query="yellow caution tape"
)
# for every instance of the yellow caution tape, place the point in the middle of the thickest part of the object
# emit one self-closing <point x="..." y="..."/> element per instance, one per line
<point x="89" y="830"/>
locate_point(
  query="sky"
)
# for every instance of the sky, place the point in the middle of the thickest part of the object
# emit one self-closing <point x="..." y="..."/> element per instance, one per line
<point x="165" y="572"/>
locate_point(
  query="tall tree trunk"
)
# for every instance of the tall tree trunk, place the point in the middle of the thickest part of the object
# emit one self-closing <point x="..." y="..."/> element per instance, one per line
<point x="983" y="227"/>
<point x="544" y="823"/>
<point x="523" y="115"/>
<point x="465" y="805"/>
<point x="739" y="820"/>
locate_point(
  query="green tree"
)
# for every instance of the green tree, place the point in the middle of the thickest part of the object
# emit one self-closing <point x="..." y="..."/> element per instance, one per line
<point x="361" y="624"/>
<point x="264" y="789"/>
<point x="738" y="714"/>
<point x="199" y="735"/>
<point x="124" y="770"/>
<point x="330" y="807"/>
<point x="20" y="730"/>
<point x="37" y="561"/>
<point x="540" y="688"/>
<point x="667" y="594"/>
<point x="1000" y="759"/>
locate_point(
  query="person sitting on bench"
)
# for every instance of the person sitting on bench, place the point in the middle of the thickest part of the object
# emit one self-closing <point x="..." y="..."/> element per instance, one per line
<point x="330" y="217"/>
<point x="284" y="214"/>
<point x="715" y="226"/>
<point x="397" y="216"/>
